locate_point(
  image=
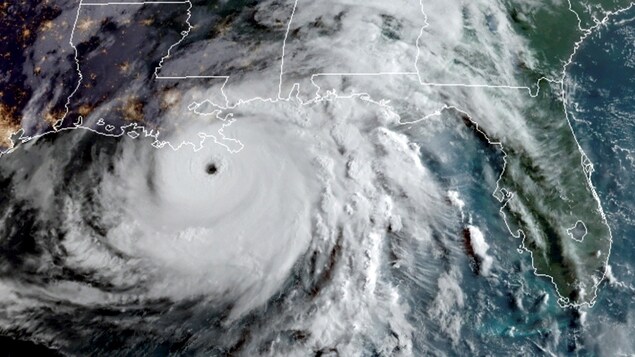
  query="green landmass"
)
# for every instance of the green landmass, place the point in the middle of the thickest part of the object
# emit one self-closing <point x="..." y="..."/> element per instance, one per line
<point x="551" y="194"/>
<point x="552" y="30"/>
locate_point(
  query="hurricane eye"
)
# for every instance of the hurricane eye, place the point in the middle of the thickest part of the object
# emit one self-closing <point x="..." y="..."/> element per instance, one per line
<point x="211" y="169"/>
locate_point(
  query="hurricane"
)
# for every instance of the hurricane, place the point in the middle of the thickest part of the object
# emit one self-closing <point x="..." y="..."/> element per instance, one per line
<point x="303" y="178"/>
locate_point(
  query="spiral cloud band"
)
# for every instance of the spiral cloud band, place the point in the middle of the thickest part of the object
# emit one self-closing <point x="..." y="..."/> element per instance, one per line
<point x="317" y="187"/>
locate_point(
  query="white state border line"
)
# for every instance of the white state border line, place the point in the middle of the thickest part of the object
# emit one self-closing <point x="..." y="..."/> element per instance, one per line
<point x="184" y="34"/>
<point x="193" y="77"/>
<point x="133" y="3"/>
<point x="533" y="92"/>
<point x="284" y="46"/>
<point x="56" y="125"/>
<point x="431" y="84"/>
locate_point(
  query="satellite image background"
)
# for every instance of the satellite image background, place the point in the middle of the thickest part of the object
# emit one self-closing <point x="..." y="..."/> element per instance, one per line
<point x="317" y="177"/>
